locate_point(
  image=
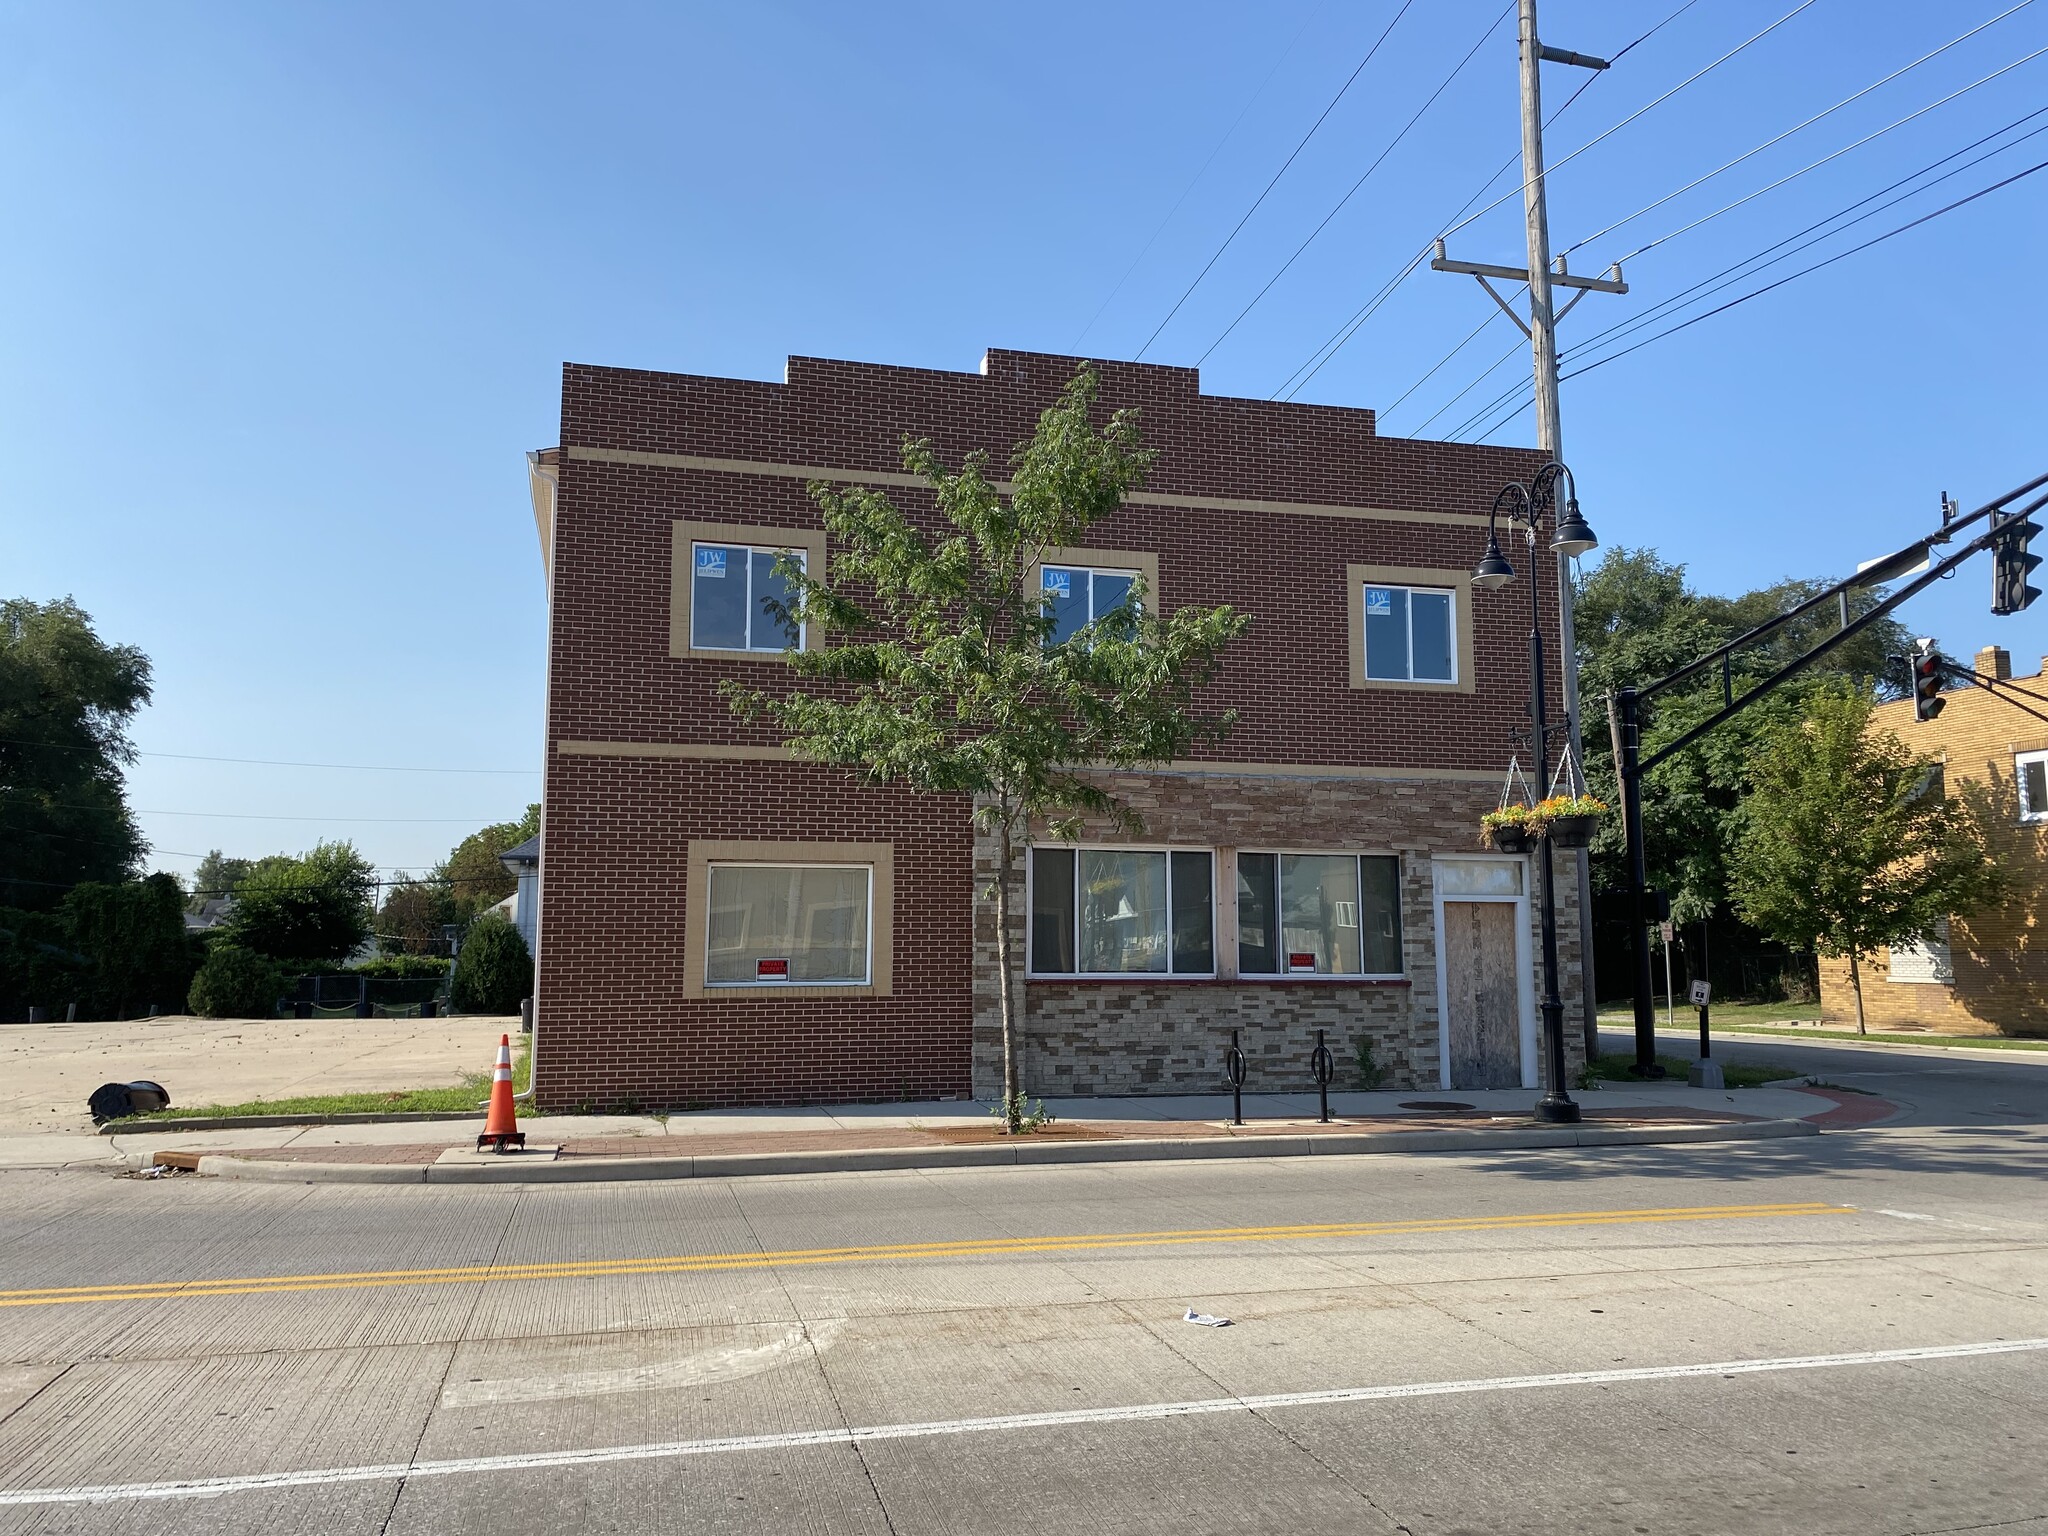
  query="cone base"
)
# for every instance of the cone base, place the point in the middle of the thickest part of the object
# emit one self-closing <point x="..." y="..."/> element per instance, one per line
<point x="498" y="1141"/>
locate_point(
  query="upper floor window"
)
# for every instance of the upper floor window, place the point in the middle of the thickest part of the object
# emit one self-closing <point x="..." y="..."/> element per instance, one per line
<point x="1410" y="634"/>
<point x="1122" y="911"/>
<point x="2031" y="769"/>
<point x="1318" y="914"/>
<point x="734" y="597"/>
<point x="1076" y="595"/>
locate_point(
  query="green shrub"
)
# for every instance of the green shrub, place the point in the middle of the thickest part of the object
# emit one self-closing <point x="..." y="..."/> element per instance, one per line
<point x="494" y="971"/>
<point x="405" y="966"/>
<point x="235" y="983"/>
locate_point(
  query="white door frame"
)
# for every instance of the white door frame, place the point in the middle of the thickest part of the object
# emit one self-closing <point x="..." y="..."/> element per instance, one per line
<point x="1525" y="976"/>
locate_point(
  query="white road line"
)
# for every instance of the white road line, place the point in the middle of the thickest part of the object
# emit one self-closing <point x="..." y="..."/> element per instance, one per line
<point x="216" y="1487"/>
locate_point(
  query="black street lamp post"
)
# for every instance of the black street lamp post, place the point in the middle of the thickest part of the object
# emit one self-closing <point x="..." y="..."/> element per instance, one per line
<point x="1525" y="505"/>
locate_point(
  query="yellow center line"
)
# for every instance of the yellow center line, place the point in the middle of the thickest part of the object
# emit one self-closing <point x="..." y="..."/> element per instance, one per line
<point x="958" y="1248"/>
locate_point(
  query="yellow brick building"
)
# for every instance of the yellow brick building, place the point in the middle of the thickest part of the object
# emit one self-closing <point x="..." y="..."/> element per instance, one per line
<point x="1991" y="976"/>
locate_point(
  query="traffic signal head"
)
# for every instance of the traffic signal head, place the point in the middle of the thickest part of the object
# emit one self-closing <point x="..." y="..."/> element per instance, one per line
<point x="2012" y="565"/>
<point x="1928" y="669"/>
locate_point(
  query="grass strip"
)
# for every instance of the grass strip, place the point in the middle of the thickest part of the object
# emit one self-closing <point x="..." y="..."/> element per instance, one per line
<point x="465" y="1097"/>
<point x="1616" y="1068"/>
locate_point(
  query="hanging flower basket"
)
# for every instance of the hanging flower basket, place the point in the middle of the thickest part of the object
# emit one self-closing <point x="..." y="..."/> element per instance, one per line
<point x="1508" y="829"/>
<point x="1570" y="821"/>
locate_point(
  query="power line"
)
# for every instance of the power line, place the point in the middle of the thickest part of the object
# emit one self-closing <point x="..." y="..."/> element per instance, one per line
<point x="1750" y="265"/>
<point x="1470" y="337"/>
<point x="1442" y="86"/>
<point x="1800" y="127"/>
<point x="266" y="762"/>
<point x="1836" y="155"/>
<point x="1804" y="271"/>
<point x="1781" y="282"/>
<point x="1375" y="48"/>
<point x="1597" y="138"/>
<point x="1279" y="59"/>
<point x="1338" y="339"/>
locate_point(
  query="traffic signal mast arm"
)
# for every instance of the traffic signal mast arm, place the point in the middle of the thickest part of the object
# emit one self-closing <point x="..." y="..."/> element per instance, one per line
<point x="1998" y="688"/>
<point x="1904" y="559"/>
<point x="1632" y="766"/>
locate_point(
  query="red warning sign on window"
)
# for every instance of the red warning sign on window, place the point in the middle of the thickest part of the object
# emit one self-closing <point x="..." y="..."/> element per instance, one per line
<point x="1300" y="961"/>
<point x="771" y="970"/>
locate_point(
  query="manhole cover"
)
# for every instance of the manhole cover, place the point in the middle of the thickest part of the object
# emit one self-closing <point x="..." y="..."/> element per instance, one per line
<point x="1441" y="1106"/>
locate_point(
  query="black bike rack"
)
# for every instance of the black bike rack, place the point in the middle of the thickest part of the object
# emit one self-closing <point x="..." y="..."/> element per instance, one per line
<point x="1233" y="1068"/>
<point x="1324" y="1066"/>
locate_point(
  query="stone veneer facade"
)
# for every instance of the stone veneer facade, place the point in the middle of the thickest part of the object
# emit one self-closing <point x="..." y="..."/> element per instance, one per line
<point x="1279" y="509"/>
<point x="1161" y="1036"/>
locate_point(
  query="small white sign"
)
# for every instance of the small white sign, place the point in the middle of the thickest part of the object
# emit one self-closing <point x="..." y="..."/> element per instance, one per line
<point x="711" y="563"/>
<point x="1379" y="603"/>
<point x="1057" y="583"/>
<point x="1699" y="994"/>
<point x="1668" y="931"/>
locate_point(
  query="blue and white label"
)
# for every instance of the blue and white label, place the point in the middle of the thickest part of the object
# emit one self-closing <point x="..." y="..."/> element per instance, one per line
<point x="1379" y="603"/>
<point x="1057" y="583"/>
<point x="710" y="562"/>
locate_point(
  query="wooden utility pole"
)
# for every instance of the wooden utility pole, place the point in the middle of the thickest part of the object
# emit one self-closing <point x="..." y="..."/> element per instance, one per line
<point x="1541" y="329"/>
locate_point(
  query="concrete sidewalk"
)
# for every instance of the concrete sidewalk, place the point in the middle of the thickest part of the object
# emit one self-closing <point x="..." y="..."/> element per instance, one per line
<point x="953" y="1133"/>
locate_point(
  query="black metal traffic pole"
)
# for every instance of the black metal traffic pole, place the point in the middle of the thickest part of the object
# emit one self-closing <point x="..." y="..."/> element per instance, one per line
<point x="1556" y="1105"/>
<point x="1638" y="883"/>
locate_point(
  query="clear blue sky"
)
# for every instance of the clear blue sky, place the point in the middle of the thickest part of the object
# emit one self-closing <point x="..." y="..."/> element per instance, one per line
<point x="288" y="289"/>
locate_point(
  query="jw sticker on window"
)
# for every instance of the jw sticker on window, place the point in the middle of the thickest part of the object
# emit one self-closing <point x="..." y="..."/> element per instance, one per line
<point x="710" y="562"/>
<point x="1378" y="602"/>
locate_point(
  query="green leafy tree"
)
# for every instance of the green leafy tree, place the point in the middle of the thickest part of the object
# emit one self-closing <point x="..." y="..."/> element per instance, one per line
<point x="473" y="876"/>
<point x="218" y="875"/>
<point x="235" y="983"/>
<point x="494" y="972"/>
<point x="314" y="907"/>
<point x="66" y="698"/>
<point x="1843" y="848"/>
<point x="134" y="936"/>
<point x="940" y="671"/>
<point x="413" y="915"/>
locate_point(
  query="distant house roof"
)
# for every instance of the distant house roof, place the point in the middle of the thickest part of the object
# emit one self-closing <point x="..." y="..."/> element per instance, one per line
<point x="521" y="857"/>
<point x="213" y="911"/>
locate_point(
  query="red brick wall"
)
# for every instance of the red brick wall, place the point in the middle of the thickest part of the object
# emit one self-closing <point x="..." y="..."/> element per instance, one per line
<point x="613" y="927"/>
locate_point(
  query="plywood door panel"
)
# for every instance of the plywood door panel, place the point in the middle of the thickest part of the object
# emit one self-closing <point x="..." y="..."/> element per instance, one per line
<point x="1479" y="985"/>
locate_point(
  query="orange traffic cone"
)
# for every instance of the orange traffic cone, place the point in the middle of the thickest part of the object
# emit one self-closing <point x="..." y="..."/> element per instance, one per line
<point x="501" y="1124"/>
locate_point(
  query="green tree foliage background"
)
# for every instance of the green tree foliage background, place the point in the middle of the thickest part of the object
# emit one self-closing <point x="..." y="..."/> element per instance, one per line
<point x="66" y="698"/>
<point x="312" y="908"/>
<point x="494" y="971"/>
<point x="1844" y="846"/>
<point x="1637" y="619"/>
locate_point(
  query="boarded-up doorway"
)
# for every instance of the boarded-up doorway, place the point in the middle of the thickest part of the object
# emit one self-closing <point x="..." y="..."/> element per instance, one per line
<point x="1481" y="994"/>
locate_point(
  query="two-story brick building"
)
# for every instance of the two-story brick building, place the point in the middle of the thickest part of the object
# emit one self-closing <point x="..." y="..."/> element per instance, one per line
<point x="720" y="924"/>
<point x="1989" y="974"/>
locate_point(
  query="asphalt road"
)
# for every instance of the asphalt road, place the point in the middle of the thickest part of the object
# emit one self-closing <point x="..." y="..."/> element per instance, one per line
<point x="1933" y="1087"/>
<point x="1846" y="1333"/>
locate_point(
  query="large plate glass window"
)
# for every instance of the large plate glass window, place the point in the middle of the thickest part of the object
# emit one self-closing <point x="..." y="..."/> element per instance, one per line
<point x="734" y="595"/>
<point x="1122" y="911"/>
<point x="2031" y="769"/>
<point x="1318" y="914"/>
<point x="1076" y="595"/>
<point x="788" y="925"/>
<point x="1410" y="634"/>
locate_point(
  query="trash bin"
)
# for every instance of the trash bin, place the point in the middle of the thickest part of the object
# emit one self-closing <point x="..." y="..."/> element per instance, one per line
<point x="114" y="1101"/>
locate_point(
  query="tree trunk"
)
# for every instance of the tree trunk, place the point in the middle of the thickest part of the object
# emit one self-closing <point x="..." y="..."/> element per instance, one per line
<point x="1005" y="861"/>
<point x="1856" y="986"/>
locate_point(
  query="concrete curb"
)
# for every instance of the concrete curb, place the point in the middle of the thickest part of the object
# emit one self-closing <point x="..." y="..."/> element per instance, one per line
<point x="591" y="1170"/>
<point x="272" y="1122"/>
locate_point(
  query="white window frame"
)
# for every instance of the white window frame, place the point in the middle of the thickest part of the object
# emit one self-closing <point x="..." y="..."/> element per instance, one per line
<point x="1279" y="904"/>
<point x="866" y="978"/>
<point x="1091" y="572"/>
<point x="2021" y="761"/>
<point x="1365" y="642"/>
<point x="1169" y="974"/>
<point x="803" y="559"/>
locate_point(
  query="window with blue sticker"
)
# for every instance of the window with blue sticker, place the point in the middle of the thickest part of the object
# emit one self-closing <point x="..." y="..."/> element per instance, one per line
<point x="1075" y="596"/>
<point x="1410" y="634"/>
<point x="738" y="602"/>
